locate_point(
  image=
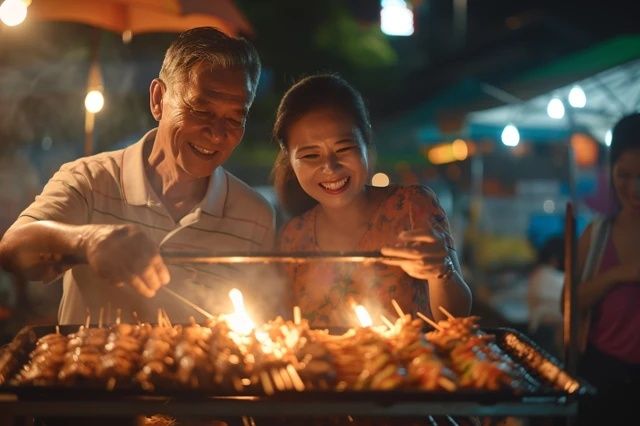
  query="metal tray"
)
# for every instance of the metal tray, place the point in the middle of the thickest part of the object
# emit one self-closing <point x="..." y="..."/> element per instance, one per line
<point x="555" y="394"/>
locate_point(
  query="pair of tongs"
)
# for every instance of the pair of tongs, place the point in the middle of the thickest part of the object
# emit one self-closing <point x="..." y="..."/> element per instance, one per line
<point x="203" y="258"/>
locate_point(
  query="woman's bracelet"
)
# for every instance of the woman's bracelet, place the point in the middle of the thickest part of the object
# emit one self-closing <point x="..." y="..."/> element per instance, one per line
<point x="450" y="269"/>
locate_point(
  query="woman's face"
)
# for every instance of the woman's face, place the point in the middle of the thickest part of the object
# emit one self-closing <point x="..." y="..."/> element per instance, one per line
<point x="328" y="156"/>
<point x="626" y="180"/>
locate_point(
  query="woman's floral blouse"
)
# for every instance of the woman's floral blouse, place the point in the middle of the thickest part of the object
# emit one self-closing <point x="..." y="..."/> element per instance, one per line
<point x="326" y="292"/>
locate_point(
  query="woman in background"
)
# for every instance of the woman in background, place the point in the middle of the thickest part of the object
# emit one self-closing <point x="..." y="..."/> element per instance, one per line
<point x="321" y="177"/>
<point x="609" y="294"/>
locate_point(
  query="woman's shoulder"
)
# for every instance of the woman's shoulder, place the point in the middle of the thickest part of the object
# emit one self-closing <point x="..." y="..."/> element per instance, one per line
<point x="415" y="192"/>
<point x="419" y="198"/>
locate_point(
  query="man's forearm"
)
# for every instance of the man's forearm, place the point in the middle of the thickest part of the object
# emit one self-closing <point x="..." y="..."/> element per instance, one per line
<point x="41" y="250"/>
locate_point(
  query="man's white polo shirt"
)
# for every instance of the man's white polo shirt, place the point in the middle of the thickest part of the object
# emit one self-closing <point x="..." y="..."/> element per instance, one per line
<point x="112" y="188"/>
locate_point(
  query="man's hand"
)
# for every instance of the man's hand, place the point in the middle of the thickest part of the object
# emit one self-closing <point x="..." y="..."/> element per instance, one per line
<point x="124" y="255"/>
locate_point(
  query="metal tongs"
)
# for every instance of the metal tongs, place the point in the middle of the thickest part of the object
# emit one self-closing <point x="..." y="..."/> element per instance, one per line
<point x="203" y="258"/>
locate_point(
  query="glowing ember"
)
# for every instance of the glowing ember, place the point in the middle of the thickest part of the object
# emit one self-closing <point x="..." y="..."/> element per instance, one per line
<point x="239" y="321"/>
<point x="363" y="316"/>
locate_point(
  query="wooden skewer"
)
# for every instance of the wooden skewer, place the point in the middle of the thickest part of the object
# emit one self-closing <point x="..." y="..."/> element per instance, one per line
<point x="411" y="224"/>
<point x="298" y="384"/>
<point x="277" y="380"/>
<point x="87" y="321"/>
<point x="266" y="383"/>
<point x="288" y="383"/>
<point x="166" y="316"/>
<point x="387" y="322"/>
<point x="429" y="321"/>
<point x="397" y="307"/>
<point x="101" y="317"/>
<point x="297" y="315"/>
<point x="57" y="329"/>
<point x="160" y="318"/>
<point x="118" y="315"/>
<point x="447" y="313"/>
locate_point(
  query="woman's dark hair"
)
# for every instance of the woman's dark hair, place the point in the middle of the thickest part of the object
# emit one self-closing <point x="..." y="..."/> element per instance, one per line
<point x="309" y="94"/>
<point x="625" y="136"/>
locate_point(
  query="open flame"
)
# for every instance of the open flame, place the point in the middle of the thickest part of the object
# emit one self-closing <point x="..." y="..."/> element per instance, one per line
<point x="239" y="321"/>
<point x="363" y="316"/>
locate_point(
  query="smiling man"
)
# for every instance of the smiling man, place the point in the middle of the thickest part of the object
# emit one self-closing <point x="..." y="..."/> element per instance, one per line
<point x="101" y="220"/>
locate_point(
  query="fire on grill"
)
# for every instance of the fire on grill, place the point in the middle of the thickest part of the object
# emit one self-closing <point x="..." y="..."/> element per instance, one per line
<point x="229" y="353"/>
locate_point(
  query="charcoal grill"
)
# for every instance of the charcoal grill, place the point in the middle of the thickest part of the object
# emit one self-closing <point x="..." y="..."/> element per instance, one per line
<point x="556" y="394"/>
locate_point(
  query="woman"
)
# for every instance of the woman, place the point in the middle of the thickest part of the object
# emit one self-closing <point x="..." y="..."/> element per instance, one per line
<point x="610" y="290"/>
<point x="321" y="175"/>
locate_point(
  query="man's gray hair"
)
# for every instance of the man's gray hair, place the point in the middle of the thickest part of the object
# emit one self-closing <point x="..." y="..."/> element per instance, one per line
<point x="212" y="47"/>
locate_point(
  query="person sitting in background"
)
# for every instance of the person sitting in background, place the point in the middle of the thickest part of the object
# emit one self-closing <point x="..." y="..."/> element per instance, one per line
<point x="544" y="292"/>
<point x="608" y="296"/>
<point x="101" y="220"/>
<point x="321" y="175"/>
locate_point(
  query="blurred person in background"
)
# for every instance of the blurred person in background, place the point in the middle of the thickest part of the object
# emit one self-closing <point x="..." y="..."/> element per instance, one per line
<point x="544" y="292"/>
<point x="101" y="220"/>
<point x="321" y="177"/>
<point x="609" y="292"/>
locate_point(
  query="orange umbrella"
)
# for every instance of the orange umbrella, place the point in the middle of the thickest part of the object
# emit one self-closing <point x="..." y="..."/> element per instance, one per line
<point x="132" y="17"/>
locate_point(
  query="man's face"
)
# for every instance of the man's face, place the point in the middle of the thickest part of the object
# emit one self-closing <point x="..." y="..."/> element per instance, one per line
<point x="202" y="119"/>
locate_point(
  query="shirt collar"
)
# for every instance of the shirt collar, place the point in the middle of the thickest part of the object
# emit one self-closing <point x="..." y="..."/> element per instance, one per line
<point x="216" y="197"/>
<point x="137" y="189"/>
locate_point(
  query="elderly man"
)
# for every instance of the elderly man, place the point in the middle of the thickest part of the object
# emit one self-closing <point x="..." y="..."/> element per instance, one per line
<point x="101" y="220"/>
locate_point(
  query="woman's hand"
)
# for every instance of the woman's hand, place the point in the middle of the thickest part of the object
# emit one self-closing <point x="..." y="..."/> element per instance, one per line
<point x="422" y="253"/>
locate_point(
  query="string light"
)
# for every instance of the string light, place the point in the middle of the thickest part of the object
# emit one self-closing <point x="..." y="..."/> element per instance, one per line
<point x="510" y="135"/>
<point x="555" y="109"/>
<point x="13" y="12"/>
<point x="577" y="97"/>
<point x="396" y="18"/>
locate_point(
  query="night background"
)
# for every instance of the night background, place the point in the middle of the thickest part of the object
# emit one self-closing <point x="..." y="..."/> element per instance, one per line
<point x="420" y="90"/>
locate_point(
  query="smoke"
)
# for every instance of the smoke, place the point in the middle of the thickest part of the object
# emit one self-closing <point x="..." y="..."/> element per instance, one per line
<point x="43" y="81"/>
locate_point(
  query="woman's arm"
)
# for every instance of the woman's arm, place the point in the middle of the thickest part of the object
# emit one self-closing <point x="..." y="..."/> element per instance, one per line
<point x="427" y="253"/>
<point x="450" y="292"/>
<point x="594" y="289"/>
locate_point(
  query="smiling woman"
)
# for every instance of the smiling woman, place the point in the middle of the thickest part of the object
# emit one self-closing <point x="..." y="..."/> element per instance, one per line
<point x="321" y="174"/>
<point x="609" y="293"/>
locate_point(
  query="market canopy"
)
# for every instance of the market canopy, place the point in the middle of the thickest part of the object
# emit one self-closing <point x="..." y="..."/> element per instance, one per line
<point x="608" y="72"/>
<point x="610" y="94"/>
